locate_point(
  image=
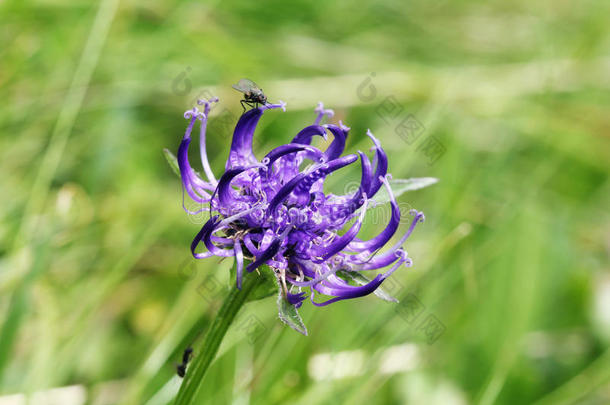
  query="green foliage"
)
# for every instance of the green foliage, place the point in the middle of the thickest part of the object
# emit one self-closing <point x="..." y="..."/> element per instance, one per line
<point x="401" y="186"/>
<point x="289" y="314"/>
<point x="97" y="285"/>
<point x="266" y="288"/>
<point x="172" y="161"/>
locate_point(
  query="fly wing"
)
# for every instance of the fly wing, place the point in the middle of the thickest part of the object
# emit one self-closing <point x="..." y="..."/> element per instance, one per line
<point x="245" y="86"/>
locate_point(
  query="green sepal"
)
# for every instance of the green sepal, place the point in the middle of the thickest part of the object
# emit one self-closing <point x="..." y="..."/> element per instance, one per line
<point x="172" y="161"/>
<point x="288" y="313"/>
<point x="266" y="288"/>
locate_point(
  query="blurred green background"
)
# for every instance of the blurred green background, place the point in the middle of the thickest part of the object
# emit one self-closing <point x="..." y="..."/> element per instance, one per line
<point x="99" y="295"/>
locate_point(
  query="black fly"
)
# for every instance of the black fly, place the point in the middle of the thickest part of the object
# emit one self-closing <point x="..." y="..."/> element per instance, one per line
<point x="186" y="356"/>
<point x="253" y="95"/>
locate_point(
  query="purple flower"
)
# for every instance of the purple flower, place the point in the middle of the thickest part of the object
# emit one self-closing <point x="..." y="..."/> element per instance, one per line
<point x="274" y="211"/>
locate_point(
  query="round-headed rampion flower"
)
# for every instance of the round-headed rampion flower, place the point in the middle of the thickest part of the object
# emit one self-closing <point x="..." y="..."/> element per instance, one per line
<point x="274" y="211"/>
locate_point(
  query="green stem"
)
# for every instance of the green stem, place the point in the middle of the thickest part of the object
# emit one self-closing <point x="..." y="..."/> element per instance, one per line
<point x="193" y="381"/>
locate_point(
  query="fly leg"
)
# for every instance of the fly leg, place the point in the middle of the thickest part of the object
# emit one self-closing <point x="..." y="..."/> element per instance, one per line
<point x="250" y="104"/>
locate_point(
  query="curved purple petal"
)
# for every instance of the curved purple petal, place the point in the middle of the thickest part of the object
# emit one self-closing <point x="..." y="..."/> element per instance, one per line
<point x="224" y="190"/>
<point x="306" y="134"/>
<point x="205" y="229"/>
<point x="241" y="153"/>
<point x="339" y="243"/>
<point x="265" y="256"/>
<point x="302" y="190"/>
<point x="381" y="168"/>
<point x="193" y="185"/>
<point x="384" y="237"/>
<point x="337" y="146"/>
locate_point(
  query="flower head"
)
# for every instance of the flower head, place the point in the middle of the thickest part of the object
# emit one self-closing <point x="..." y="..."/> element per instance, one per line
<point x="274" y="211"/>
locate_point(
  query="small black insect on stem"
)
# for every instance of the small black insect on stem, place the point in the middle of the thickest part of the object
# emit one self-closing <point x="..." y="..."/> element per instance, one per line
<point x="186" y="356"/>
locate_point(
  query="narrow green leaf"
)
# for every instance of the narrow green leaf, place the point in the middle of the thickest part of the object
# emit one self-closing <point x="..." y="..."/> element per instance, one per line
<point x="401" y="186"/>
<point x="362" y="280"/>
<point x="172" y="160"/>
<point x="289" y="314"/>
